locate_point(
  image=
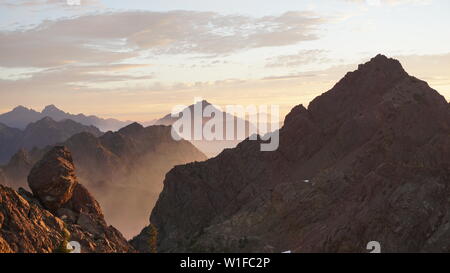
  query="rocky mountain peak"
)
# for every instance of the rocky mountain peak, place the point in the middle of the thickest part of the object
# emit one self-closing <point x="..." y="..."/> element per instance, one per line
<point x="45" y="121"/>
<point x="51" y="109"/>
<point x="374" y="76"/>
<point x="20" y="108"/>
<point x="380" y="83"/>
<point x="374" y="147"/>
<point x="132" y="128"/>
<point x="381" y="62"/>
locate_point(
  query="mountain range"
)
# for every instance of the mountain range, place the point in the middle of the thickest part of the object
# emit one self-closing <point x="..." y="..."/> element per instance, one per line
<point x="39" y="134"/>
<point x="123" y="169"/>
<point x="369" y="160"/>
<point x="20" y="117"/>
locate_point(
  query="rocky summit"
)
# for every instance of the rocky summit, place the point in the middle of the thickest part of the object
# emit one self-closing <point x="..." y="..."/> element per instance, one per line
<point x="369" y="160"/>
<point x="58" y="210"/>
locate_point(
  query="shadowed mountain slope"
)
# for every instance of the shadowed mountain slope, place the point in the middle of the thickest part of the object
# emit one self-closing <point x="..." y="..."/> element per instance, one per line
<point x="369" y="160"/>
<point x="123" y="169"/>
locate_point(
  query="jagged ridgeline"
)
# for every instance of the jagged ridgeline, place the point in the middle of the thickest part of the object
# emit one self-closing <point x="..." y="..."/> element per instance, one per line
<point x="369" y="160"/>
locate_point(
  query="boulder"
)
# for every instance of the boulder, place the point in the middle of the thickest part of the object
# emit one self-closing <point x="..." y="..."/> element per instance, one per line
<point x="53" y="178"/>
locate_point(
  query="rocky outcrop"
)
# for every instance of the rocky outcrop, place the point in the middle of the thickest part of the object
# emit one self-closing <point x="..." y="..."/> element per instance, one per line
<point x="124" y="170"/>
<point x="53" y="179"/>
<point x="59" y="210"/>
<point x="368" y="160"/>
<point x="25" y="227"/>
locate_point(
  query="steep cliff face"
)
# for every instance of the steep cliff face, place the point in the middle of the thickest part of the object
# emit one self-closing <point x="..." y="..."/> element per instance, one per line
<point x="123" y="169"/>
<point x="59" y="209"/>
<point x="368" y="160"/>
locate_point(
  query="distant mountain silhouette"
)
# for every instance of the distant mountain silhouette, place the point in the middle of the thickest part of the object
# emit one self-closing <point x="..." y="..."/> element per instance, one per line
<point x="21" y="116"/>
<point x="369" y="160"/>
<point x="123" y="169"/>
<point x="213" y="147"/>
<point x="39" y="134"/>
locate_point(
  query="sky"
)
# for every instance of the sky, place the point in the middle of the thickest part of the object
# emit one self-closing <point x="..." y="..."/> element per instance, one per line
<point x="136" y="59"/>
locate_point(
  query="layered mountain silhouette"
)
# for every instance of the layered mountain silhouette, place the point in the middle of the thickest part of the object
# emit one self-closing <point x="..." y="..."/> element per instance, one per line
<point x="20" y="117"/>
<point x="369" y="160"/>
<point x="123" y="169"/>
<point x="39" y="134"/>
<point x="210" y="147"/>
<point x="58" y="210"/>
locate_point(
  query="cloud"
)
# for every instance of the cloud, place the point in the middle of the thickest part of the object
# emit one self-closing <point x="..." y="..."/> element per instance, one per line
<point x="117" y="36"/>
<point x="302" y="57"/>
<point x="155" y="98"/>
<point x="73" y="77"/>
<point x="48" y="3"/>
<point x="390" y="2"/>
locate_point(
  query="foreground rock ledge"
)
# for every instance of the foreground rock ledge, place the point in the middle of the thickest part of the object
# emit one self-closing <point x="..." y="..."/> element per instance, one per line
<point x="59" y="209"/>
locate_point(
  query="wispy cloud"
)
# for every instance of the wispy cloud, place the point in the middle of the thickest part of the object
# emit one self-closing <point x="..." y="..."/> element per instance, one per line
<point x="117" y="36"/>
<point x="302" y="57"/>
<point x="47" y="3"/>
<point x="391" y="2"/>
